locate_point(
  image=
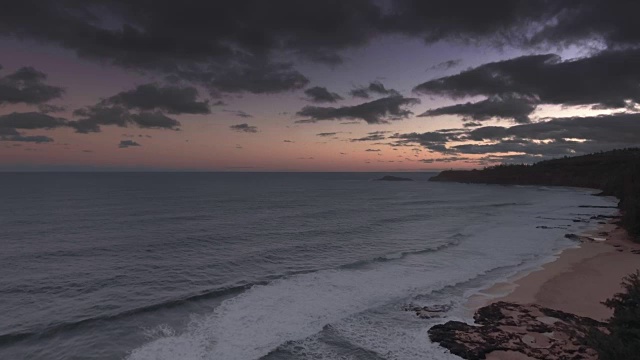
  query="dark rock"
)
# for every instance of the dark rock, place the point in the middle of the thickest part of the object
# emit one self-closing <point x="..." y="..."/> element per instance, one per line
<point x="393" y="178"/>
<point x="428" y="312"/>
<point x="550" y="227"/>
<point x="572" y="236"/>
<point x="579" y="238"/>
<point x="532" y="330"/>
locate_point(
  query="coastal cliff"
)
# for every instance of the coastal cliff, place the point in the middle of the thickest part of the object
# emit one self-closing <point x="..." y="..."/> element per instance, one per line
<point x="616" y="173"/>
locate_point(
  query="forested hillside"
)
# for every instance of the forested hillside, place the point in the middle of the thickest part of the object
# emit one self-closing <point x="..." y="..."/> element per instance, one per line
<point x="615" y="172"/>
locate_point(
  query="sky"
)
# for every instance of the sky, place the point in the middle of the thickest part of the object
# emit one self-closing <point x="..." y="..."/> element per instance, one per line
<point x="289" y="85"/>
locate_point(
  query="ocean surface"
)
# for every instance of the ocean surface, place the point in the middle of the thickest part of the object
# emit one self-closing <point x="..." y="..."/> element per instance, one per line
<point x="259" y="265"/>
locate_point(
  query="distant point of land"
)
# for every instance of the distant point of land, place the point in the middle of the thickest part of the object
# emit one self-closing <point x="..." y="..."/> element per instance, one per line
<point x="615" y="172"/>
<point x="393" y="178"/>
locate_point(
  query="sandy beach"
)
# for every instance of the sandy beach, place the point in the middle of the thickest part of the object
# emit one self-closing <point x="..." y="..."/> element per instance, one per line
<point x="576" y="282"/>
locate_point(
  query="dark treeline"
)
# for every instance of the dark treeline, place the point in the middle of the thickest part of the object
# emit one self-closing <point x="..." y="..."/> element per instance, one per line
<point x="615" y="172"/>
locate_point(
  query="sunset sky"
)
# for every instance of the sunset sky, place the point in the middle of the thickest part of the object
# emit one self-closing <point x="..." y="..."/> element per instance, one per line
<point x="357" y="85"/>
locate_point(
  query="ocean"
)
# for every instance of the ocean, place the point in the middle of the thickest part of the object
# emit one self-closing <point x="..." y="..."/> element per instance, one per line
<point x="266" y="266"/>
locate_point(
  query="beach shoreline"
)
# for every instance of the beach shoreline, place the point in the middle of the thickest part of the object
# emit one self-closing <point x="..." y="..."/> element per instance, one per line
<point x="577" y="281"/>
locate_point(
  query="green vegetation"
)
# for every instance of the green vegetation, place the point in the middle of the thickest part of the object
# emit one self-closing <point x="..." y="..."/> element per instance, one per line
<point x="615" y="172"/>
<point x="623" y="339"/>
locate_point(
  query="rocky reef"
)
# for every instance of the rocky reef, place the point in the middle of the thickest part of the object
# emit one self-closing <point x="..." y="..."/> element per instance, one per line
<point x="519" y="332"/>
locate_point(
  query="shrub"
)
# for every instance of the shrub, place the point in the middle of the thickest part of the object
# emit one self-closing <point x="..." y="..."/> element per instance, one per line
<point x="623" y="339"/>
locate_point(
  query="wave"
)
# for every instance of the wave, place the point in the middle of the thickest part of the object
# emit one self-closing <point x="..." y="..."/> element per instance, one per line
<point x="403" y="254"/>
<point x="10" y="338"/>
<point x="260" y="320"/>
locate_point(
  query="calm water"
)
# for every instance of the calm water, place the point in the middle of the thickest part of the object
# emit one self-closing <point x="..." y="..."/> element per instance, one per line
<point x="257" y="266"/>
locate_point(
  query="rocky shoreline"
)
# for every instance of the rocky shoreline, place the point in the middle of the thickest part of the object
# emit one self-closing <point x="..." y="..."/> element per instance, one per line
<point x="548" y="312"/>
<point x="515" y="330"/>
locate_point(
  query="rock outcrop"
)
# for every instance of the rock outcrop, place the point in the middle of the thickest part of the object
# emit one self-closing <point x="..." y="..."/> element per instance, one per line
<point x="529" y="331"/>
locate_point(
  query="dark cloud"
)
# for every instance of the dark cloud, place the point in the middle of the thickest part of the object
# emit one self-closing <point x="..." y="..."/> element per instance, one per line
<point x="29" y="138"/>
<point x="535" y="141"/>
<point x="536" y="150"/>
<point x="155" y="120"/>
<point x="172" y="99"/>
<point x="520" y="22"/>
<point x="375" y="87"/>
<point x="107" y="112"/>
<point x="434" y="141"/>
<point x="501" y="107"/>
<point x="446" y="65"/>
<point x="31" y="120"/>
<point x="372" y="136"/>
<point x="510" y="159"/>
<point x="127" y="143"/>
<point x="327" y="134"/>
<point x="378" y="111"/>
<point x="244" y="128"/>
<point x="495" y="20"/>
<point x="235" y="46"/>
<point x="471" y="124"/>
<point x="261" y="78"/>
<point x="239" y="113"/>
<point x="616" y="128"/>
<point x="11" y="134"/>
<point x="8" y="131"/>
<point x="288" y="141"/>
<point x="360" y="92"/>
<point x="451" y="131"/>
<point x="219" y="103"/>
<point x="321" y="95"/>
<point x="27" y="85"/>
<point x="9" y="124"/>
<point x="373" y="150"/>
<point x="444" y="159"/>
<point x="92" y="117"/>
<point x="48" y="108"/>
<point x="226" y="46"/>
<point x="609" y="79"/>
